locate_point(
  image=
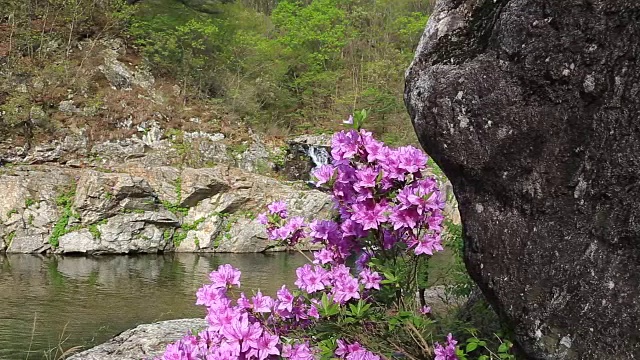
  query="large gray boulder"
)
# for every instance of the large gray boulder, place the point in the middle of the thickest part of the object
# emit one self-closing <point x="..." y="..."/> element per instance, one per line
<point x="532" y="109"/>
<point x="146" y="341"/>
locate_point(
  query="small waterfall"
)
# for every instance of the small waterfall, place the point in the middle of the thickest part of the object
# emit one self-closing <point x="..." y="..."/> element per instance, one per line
<point x="319" y="155"/>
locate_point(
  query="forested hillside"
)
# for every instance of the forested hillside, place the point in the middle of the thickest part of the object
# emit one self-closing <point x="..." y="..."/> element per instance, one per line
<point x="282" y="67"/>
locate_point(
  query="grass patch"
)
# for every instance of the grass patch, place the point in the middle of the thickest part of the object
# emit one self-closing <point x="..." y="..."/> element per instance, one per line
<point x="28" y="202"/>
<point x="64" y="201"/>
<point x="181" y="233"/>
<point x="175" y="208"/>
<point x="9" y="238"/>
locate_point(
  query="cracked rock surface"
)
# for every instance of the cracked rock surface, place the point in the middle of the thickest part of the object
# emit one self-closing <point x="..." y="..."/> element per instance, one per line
<point x="145" y="341"/>
<point x="532" y="109"/>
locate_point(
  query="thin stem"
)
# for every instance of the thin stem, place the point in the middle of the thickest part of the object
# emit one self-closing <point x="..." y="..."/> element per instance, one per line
<point x="303" y="254"/>
<point x="33" y="331"/>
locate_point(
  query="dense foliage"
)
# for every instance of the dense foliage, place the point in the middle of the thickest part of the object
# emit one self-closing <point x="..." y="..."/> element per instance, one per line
<point x="285" y="64"/>
<point x="288" y="62"/>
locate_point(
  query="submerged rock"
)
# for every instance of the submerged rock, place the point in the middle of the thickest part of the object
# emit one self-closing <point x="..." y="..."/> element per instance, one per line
<point x="145" y="341"/>
<point x="531" y="108"/>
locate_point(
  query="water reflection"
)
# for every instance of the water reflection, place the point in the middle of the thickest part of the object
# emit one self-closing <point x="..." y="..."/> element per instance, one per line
<point x="86" y="300"/>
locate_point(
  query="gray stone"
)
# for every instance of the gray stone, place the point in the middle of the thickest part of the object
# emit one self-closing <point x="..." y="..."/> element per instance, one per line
<point x="136" y="233"/>
<point x="142" y="342"/>
<point x="245" y="235"/>
<point x="200" y="184"/>
<point x="27" y="244"/>
<point x="81" y="241"/>
<point x="163" y="179"/>
<point x="115" y="71"/>
<point x="37" y="115"/>
<point x="67" y="106"/>
<point x="531" y="108"/>
<point x="100" y="195"/>
<point x="119" y="74"/>
<point x="256" y="157"/>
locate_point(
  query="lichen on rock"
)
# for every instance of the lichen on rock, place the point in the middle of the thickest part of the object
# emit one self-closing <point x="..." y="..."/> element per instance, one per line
<point x="531" y="108"/>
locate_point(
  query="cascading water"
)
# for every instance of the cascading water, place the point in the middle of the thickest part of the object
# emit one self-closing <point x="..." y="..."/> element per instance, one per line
<point x="302" y="159"/>
<point x="318" y="154"/>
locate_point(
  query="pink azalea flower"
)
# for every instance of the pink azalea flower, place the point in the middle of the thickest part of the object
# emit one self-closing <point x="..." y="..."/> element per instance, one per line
<point x="243" y="302"/>
<point x="278" y="208"/>
<point x="262" y="219"/>
<point x="411" y="159"/>
<point x="176" y="351"/>
<point x="263" y="346"/>
<point x="428" y="245"/>
<point x="370" y="279"/>
<point x="313" y="311"/>
<point x="310" y="280"/>
<point x="369" y="216"/>
<point x="324" y="256"/>
<point x="339" y="273"/>
<point x="404" y="218"/>
<point x="209" y="294"/>
<point x="239" y="331"/>
<point x="375" y="149"/>
<point x="367" y="177"/>
<point x="285" y="299"/>
<point x="226" y="275"/>
<point x="262" y="304"/>
<point x="297" y="352"/>
<point x="345" y="290"/>
<point x="345" y="349"/>
<point x="323" y="174"/>
<point x="349" y="120"/>
<point x="362" y="355"/>
<point x="435" y="220"/>
<point x="219" y="318"/>
<point x="448" y="352"/>
<point x="323" y="229"/>
<point x="344" y="145"/>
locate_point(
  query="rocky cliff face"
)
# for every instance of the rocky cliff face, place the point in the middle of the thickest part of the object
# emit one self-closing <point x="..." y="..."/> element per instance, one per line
<point x="133" y="208"/>
<point x="532" y="109"/>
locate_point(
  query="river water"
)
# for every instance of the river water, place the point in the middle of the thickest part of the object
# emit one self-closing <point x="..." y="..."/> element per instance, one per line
<point x="52" y="303"/>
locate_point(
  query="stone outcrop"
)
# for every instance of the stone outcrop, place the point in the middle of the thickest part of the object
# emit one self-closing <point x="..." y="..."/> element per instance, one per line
<point x="145" y="341"/>
<point x="136" y="209"/>
<point x="532" y="109"/>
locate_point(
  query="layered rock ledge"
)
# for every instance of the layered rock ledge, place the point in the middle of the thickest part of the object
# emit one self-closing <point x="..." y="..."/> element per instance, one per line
<point x="137" y="209"/>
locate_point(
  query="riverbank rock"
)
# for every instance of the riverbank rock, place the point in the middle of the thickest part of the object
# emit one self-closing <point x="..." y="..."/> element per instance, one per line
<point x="145" y="341"/>
<point x="137" y="209"/>
<point x="531" y="108"/>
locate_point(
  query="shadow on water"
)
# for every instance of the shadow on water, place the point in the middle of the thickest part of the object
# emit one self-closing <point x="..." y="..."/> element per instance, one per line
<point x="87" y="300"/>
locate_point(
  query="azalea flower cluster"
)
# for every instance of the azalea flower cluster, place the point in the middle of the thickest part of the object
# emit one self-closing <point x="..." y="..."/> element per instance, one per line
<point x="387" y="206"/>
<point x="382" y="195"/>
<point x="256" y="327"/>
<point x="446" y="352"/>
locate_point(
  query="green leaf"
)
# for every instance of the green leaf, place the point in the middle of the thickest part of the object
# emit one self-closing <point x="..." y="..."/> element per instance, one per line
<point x="471" y="346"/>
